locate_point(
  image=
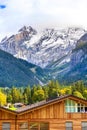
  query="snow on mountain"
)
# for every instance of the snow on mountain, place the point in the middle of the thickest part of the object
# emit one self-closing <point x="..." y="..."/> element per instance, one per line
<point x="42" y="48"/>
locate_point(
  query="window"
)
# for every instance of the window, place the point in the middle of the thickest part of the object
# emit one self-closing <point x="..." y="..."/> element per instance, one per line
<point x="44" y="126"/>
<point x="72" y="106"/>
<point x="69" y="126"/>
<point x="84" y="125"/>
<point x="6" y="126"/>
<point x="23" y="126"/>
<point x="33" y="126"/>
<point x="39" y="126"/>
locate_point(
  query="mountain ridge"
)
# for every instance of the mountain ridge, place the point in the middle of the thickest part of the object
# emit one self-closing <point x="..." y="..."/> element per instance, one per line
<point x="17" y="72"/>
<point x="42" y="48"/>
<point x="57" y="54"/>
<point x="76" y="68"/>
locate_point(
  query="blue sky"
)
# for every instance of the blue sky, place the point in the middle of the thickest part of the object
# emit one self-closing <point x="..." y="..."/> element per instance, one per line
<point x="41" y="14"/>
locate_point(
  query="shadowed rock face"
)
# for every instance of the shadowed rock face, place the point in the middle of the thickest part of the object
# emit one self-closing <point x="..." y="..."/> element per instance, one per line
<point x="73" y="70"/>
<point x="83" y="38"/>
<point x="78" y="62"/>
<point x="80" y="52"/>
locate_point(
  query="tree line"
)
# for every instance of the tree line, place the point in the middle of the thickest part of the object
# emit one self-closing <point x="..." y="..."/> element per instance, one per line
<point x="36" y="93"/>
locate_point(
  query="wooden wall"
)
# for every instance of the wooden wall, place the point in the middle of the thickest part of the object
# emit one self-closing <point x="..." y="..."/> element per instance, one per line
<point x="54" y="114"/>
<point x="48" y="112"/>
<point x="6" y="115"/>
<point x="53" y="111"/>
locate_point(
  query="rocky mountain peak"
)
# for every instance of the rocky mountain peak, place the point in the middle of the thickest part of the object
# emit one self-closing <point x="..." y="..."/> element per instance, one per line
<point x="44" y="48"/>
<point x="28" y="29"/>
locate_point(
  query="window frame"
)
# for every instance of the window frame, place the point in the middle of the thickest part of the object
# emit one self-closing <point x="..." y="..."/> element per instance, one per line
<point x="81" y="124"/>
<point x="6" y="123"/>
<point x="39" y="124"/>
<point x="68" y="127"/>
<point x="72" y="106"/>
<point x="23" y="122"/>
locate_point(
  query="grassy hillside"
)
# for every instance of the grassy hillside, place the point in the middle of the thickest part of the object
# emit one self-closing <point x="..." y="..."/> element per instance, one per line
<point x="16" y="72"/>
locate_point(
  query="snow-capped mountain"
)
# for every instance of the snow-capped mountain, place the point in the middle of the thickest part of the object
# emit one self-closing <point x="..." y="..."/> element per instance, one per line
<point x="75" y="69"/>
<point x="42" y="48"/>
<point x="78" y="62"/>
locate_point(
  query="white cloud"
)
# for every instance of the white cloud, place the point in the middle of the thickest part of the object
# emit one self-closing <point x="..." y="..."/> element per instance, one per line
<point x="41" y="13"/>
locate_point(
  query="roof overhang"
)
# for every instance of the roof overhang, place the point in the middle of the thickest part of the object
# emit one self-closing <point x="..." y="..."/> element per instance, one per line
<point x="45" y="104"/>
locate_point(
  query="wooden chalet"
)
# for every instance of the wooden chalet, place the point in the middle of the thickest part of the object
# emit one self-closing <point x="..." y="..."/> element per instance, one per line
<point x="63" y="113"/>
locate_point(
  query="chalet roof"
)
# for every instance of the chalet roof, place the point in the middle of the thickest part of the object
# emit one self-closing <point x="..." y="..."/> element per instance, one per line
<point x="49" y="102"/>
<point x="7" y="110"/>
<point x="43" y="104"/>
